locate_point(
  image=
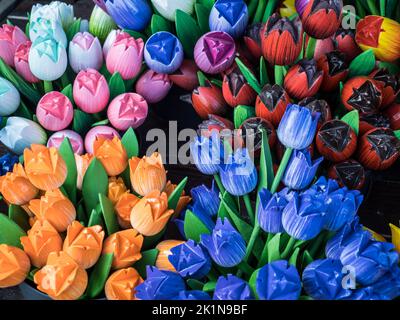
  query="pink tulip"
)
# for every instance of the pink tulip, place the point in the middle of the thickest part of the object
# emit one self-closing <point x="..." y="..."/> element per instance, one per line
<point x="153" y="86"/>
<point x="21" y="62"/>
<point x="113" y="36"/>
<point x="91" y="92"/>
<point x="322" y="47"/>
<point x="100" y="131"/>
<point x="128" y="110"/>
<point x="74" y="138"/>
<point x="125" y="56"/>
<point x="10" y="38"/>
<point x="54" y="111"/>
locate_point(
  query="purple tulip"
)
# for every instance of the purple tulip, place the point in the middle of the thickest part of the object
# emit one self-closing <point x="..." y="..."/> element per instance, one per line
<point x="74" y="138"/>
<point x="153" y="86"/>
<point x="85" y="52"/>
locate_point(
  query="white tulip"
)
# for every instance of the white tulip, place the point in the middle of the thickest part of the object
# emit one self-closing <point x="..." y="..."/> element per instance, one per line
<point x="9" y="98"/>
<point x="167" y="8"/>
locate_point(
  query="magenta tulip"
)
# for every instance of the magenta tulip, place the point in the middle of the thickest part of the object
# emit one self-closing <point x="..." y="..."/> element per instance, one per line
<point x="10" y="38"/>
<point x="21" y="62"/>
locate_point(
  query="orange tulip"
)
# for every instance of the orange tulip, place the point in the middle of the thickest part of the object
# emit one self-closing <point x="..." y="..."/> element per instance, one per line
<point x="82" y="163"/>
<point x="123" y="209"/>
<point x="126" y="246"/>
<point x="61" y="278"/>
<point x="14" y="266"/>
<point x="111" y="154"/>
<point x="164" y="250"/>
<point x="121" y="284"/>
<point x="147" y="174"/>
<point x="45" y="167"/>
<point x="41" y="240"/>
<point x="116" y="188"/>
<point x="55" y="208"/>
<point x="183" y="201"/>
<point x="151" y="214"/>
<point x="84" y="245"/>
<point x="16" y="187"/>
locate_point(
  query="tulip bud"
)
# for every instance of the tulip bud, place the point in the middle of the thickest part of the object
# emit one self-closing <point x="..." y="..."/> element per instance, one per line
<point x="252" y="39"/>
<point x="350" y="174"/>
<point x="111" y="154"/>
<point x="393" y="113"/>
<point x="281" y="40"/>
<point x="82" y="163"/>
<point x="153" y="87"/>
<point x="9" y="98"/>
<point x="113" y="36"/>
<point x="98" y="132"/>
<point x="101" y="4"/>
<point x="55" y="208"/>
<point x="346" y="43"/>
<point x="208" y="100"/>
<point x="271" y="103"/>
<point x="121" y="284"/>
<point x="21" y="62"/>
<point x="84" y="245"/>
<point x="168" y="8"/>
<point x="336" y="140"/>
<point x="61" y="278"/>
<point x="303" y="79"/>
<point x="320" y="106"/>
<point x="229" y="16"/>
<point x="335" y="70"/>
<point x="323" y="47"/>
<point x="125" y="56"/>
<point x="372" y="121"/>
<point x="91" y="92"/>
<point x="231" y="287"/>
<point x="236" y="90"/>
<point x="126" y="246"/>
<point x="85" y="52"/>
<point x="207" y="153"/>
<point x="390" y="86"/>
<point x="362" y="94"/>
<point x="214" y="52"/>
<point x="54" y="111"/>
<point x="320" y="18"/>
<point x="123" y="209"/>
<point x="116" y="189"/>
<point x="46" y="28"/>
<point x="14" y="266"/>
<point x="186" y="76"/>
<point x="45" y="167"/>
<point x="380" y="34"/>
<point x="378" y="149"/>
<point x="10" y="38"/>
<point x="100" y="24"/>
<point x="56" y="10"/>
<point x="132" y="15"/>
<point x="164" y="251"/>
<point x="74" y="138"/>
<point x="47" y="59"/>
<point x="41" y="240"/>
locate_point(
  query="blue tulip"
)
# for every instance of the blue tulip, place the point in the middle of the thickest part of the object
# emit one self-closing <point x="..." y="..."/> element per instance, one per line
<point x="207" y="154"/>
<point x="297" y="127"/>
<point x="225" y="245"/>
<point x="192" y="295"/>
<point x="7" y="162"/>
<point x="277" y="280"/>
<point x="369" y="258"/>
<point x="230" y="16"/>
<point x="160" y="285"/>
<point x="389" y="285"/>
<point x="206" y="199"/>
<point x="322" y="280"/>
<point x="322" y="188"/>
<point x="129" y="14"/>
<point x="9" y="98"/>
<point x="366" y="293"/>
<point x="270" y="210"/>
<point x="163" y="52"/>
<point x="202" y="215"/>
<point x="238" y="174"/>
<point x="342" y="206"/>
<point x="190" y="260"/>
<point x="232" y="288"/>
<point x="301" y="170"/>
<point x="304" y="217"/>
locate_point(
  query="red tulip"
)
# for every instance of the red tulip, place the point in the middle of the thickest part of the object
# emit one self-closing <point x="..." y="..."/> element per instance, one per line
<point x="214" y="123"/>
<point x="186" y="76"/>
<point x="346" y="43"/>
<point x="390" y="86"/>
<point x="350" y="174"/>
<point x="372" y="121"/>
<point x="236" y="90"/>
<point x="252" y="39"/>
<point x="393" y="113"/>
<point x="335" y="70"/>
<point x="208" y="100"/>
<point x="320" y="106"/>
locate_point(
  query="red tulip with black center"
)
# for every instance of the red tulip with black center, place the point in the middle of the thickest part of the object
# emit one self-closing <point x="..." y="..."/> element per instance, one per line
<point x="372" y="121"/>
<point x="252" y="39"/>
<point x="271" y="103"/>
<point x="281" y="40"/>
<point x="320" y="106"/>
<point x="350" y="174"/>
<point x="362" y="94"/>
<point x="186" y="76"/>
<point x="214" y="123"/>
<point x="393" y="113"/>
<point x="335" y="70"/>
<point x="236" y="90"/>
<point x="303" y="79"/>
<point x="346" y="43"/>
<point x="208" y="100"/>
<point x="390" y="86"/>
<point x="378" y="149"/>
<point x="336" y="140"/>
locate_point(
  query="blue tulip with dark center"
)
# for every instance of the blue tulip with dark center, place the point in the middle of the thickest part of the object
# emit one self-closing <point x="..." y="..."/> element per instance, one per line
<point x="231" y="287"/>
<point x="207" y="154"/>
<point x="192" y="295"/>
<point x="270" y="211"/>
<point x="206" y="199"/>
<point x="130" y="14"/>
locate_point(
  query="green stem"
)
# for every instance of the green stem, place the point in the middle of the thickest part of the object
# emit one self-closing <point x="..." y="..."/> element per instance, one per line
<point x="252" y="7"/>
<point x="382" y="5"/>
<point x="289" y="248"/>
<point x="281" y="170"/>
<point x="249" y="208"/>
<point x="48" y="86"/>
<point x="245" y="268"/>
<point x="264" y="256"/>
<point x="310" y="47"/>
<point x="372" y="7"/>
<point x="260" y="11"/>
<point x="252" y="241"/>
<point x="213" y="274"/>
<point x="271" y="5"/>
<point x="316" y="244"/>
<point x="219" y="183"/>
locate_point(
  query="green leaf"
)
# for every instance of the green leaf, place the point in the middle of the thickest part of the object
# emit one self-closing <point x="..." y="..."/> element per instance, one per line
<point x="242" y="113"/>
<point x="95" y="219"/>
<point x="10" y="232"/>
<point x="202" y="14"/>
<point x="159" y="23"/>
<point x="195" y="284"/>
<point x="306" y="259"/>
<point x="187" y="31"/>
<point x="19" y="216"/>
<point x="293" y="258"/>
<point x="397" y="134"/>
<point x="391" y="8"/>
<point x="99" y="276"/>
<point x="117" y="85"/>
<point x="273" y="248"/>
<point x="263" y="72"/>
<point x="353" y="120"/>
<point x="202" y="78"/>
<point x="68" y="92"/>
<point x="222" y="211"/>
<point x="101" y="123"/>
<point x="82" y="122"/>
<point x="209" y="286"/>
<point x="95" y="181"/>
<point x="280" y="73"/>
<point x="23" y="111"/>
<point x="311" y="47"/>
<point x="266" y="165"/>
<point x="73" y="29"/>
<point x="194" y="227"/>
<point x="81" y="215"/>
<point x="67" y="153"/>
<point x="260" y="11"/>
<point x="249" y="76"/>
<point x="176" y="194"/>
<point x="149" y="258"/>
<point x="110" y="218"/>
<point x="363" y="64"/>
<point x="136" y="34"/>
<point x="130" y="143"/>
